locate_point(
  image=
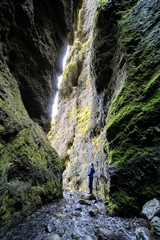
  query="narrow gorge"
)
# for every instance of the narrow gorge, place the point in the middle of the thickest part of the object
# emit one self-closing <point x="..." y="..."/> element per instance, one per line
<point x="108" y="104"/>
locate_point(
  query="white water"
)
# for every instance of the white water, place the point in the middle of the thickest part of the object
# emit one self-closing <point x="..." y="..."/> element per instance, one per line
<point x="55" y="104"/>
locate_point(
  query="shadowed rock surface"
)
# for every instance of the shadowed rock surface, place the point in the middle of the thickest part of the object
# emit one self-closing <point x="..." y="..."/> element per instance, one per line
<point x="32" y="43"/>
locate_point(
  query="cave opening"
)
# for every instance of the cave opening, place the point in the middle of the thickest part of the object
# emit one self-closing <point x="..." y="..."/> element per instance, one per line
<point x="55" y="101"/>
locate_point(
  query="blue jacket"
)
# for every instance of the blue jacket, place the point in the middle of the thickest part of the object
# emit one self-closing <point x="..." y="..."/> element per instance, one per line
<point x="91" y="171"/>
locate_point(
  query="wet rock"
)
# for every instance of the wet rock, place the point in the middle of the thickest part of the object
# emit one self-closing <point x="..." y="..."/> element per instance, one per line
<point x="50" y="227"/>
<point x="53" y="237"/>
<point x="106" y="234"/>
<point x="77" y="224"/>
<point x="78" y="232"/>
<point x="100" y="206"/>
<point x="77" y="214"/>
<point x="99" y="198"/>
<point x="81" y="234"/>
<point x="144" y="233"/>
<point x="89" y="197"/>
<point x="151" y="209"/>
<point x="87" y="237"/>
<point x="156" y="223"/>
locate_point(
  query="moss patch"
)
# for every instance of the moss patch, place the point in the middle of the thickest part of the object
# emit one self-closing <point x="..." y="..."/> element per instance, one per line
<point x="82" y="116"/>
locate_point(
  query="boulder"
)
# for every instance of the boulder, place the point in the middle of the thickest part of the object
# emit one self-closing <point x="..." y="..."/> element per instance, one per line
<point x="144" y="233"/>
<point x="100" y="206"/>
<point x="156" y="223"/>
<point x="151" y="209"/>
<point x="53" y="237"/>
<point x="50" y="227"/>
<point x="107" y="234"/>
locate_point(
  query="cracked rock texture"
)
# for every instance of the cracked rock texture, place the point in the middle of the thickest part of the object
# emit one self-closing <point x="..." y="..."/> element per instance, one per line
<point x="32" y="42"/>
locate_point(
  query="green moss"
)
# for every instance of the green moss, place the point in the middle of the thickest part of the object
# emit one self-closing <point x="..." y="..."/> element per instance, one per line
<point x="68" y="68"/>
<point x="132" y="129"/>
<point x="52" y="130"/>
<point x="75" y="49"/>
<point x="112" y="207"/>
<point x="88" y="81"/>
<point x="77" y="46"/>
<point x="132" y="123"/>
<point x="86" y="43"/>
<point x="82" y="116"/>
<point x="102" y="2"/>
<point x="121" y="200"/>
<point x="151" y="189"/>
<point x="95" y="143"/>
<point x="30" y="169"/>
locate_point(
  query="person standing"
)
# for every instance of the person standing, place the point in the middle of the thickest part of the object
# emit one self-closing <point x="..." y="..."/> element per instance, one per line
<point x="91" y="171"/>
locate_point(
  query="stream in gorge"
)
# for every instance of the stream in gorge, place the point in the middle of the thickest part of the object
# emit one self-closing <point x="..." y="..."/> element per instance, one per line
<point x="79" y="216"/>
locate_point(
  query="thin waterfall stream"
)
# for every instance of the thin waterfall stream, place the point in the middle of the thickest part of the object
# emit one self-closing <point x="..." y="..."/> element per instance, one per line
<point x="55" y="104"/>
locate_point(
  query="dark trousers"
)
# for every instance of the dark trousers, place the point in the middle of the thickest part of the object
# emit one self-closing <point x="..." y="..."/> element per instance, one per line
<point x="90" y="184"/>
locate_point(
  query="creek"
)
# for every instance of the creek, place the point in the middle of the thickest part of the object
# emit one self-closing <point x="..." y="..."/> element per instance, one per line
<point x="77" y="217"/>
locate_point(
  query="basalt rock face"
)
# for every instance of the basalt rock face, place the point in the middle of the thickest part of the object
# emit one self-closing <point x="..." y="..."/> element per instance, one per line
<point x="125" y="66"/>
<point x="109" y="103"/>
<point x="32" y="41"/>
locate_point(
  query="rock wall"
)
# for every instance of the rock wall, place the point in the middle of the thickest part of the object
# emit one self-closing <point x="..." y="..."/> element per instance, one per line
<point x="73" y="134"/>
<point x="126" y="74"/>
<point x="32" y="42"/>
<point x="132" y="123"/>
<point x="109" y="103"/>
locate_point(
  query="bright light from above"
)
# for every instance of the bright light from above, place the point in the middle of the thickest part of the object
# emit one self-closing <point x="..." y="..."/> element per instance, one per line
<point x="55" y="105"/>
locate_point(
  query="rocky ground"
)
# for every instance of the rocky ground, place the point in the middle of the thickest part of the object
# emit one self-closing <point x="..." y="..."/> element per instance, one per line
<point x="80" y="216"/>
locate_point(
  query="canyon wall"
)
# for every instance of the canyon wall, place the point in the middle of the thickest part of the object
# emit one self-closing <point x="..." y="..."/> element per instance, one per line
<point x="74" y="134"/>
<point x="32" y="44"/>
<point x="132" y="124"/>
<point x="108" y="110"/>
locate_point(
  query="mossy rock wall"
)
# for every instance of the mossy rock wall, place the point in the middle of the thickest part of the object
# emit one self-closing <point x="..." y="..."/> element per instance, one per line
<point x="32" y="42"/>
<point x="30" y="170"/>
<point x="131" y="54"/>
